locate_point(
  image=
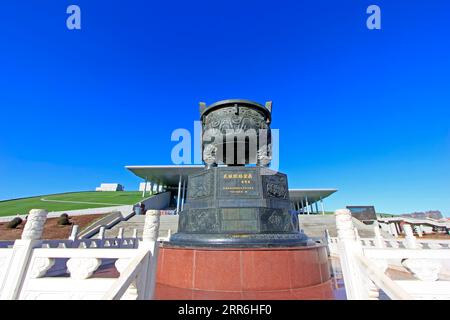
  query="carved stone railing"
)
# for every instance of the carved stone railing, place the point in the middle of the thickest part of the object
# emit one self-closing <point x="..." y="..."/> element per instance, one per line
<point x="409" y="220"/>
<point x="399" y="243"/>
<point x="84" y="268"/>
<point x="84" y="243"/>
<point x="130" y="275"/>
<point x="365" y="261"/>
<point x="167" y="237"/>
<point x="75" y="241"/>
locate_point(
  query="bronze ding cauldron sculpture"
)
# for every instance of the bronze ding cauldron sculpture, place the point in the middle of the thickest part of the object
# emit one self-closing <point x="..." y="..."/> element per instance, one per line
<point x="237" y="201"/>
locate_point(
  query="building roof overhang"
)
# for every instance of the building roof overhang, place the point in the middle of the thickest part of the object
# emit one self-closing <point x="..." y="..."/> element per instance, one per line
<point x="169" y="175"/>
<point x="310" y="195"/>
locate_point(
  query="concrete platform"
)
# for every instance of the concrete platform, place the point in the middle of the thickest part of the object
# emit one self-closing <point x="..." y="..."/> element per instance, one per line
<point x="294" y="273"/>
<point x="313" y="225"/>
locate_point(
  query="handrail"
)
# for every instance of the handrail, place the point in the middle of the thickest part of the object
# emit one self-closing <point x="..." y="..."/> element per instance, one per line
<point x="416" y="221"/>
<point x="397" y="253"/>
<point x="364" y="261"/>
<point x="392" y="289"/>
<point x="108" y="221"/>
<point x="443" y="241"/>
<point x="83" y="253"/>
<point x="419" y="241"/>
<point x="121" y="285"/>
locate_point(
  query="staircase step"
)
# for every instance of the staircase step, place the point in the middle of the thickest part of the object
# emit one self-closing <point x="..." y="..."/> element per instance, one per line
<point x="313" y="225"/>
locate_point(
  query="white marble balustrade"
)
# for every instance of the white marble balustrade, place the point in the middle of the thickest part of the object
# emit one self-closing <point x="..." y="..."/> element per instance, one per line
<point x="85" y="268"/>
<point x="365" y="261"/>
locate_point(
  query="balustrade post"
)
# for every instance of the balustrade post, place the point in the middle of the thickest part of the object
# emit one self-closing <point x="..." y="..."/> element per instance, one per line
<point x="357" y="237"/>
<point x="382" y="264"/>
<point x="74" y="233"/>
<point x="349" y="247"/>
<point x="393" y="229"/>
<point x="135" y="233"/>
<point x="21" y="255"/>
<point x="418" y="229"/>
<point x="425" y="270"/>
<point x="357" y="284"/>
<point x="147" y="279"/>
<point x="379" y="240"/>
<point x="328" y="242"/>
<point x="410" y="239"/>
<point x="327" y="235"/>
<point x="101" y="233"/>
<point x="120" y="233"/>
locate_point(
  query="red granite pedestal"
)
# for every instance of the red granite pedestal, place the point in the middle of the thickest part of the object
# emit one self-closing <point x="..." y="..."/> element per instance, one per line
<point x="243" y="274"/>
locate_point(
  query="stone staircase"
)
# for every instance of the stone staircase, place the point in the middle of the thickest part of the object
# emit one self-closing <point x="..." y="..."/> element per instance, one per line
<point x="313" y="225"/>
<point x="137" y="222"/>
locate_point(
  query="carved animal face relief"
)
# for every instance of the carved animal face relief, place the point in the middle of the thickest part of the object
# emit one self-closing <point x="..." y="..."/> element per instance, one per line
<point x="210" y="154"/>
<point x="206" y="220"/>
<point x="265" y="155"/>
<point x="241" y="121"/>
<point x="276" y="186"/>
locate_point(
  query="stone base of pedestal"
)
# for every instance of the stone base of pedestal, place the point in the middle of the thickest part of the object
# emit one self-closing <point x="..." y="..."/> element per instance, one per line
<point x="291" y="273"/>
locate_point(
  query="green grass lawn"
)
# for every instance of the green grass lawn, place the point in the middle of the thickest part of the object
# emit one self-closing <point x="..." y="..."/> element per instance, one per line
<point x="101" y="199"/>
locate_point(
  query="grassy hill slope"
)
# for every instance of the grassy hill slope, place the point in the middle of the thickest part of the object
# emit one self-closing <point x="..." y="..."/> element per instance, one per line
<point x="75" y="201"/>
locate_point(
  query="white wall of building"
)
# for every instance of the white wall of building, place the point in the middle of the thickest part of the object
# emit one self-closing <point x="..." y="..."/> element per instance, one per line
<point x="110" y="187"/>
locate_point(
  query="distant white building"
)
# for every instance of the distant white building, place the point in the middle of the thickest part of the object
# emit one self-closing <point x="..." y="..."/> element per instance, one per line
<point x="110" y="187"/>
<point x="149" y="187"/>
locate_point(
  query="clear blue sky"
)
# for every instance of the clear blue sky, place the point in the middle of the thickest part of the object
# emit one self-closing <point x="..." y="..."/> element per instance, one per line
<point x="363" y="111"/>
